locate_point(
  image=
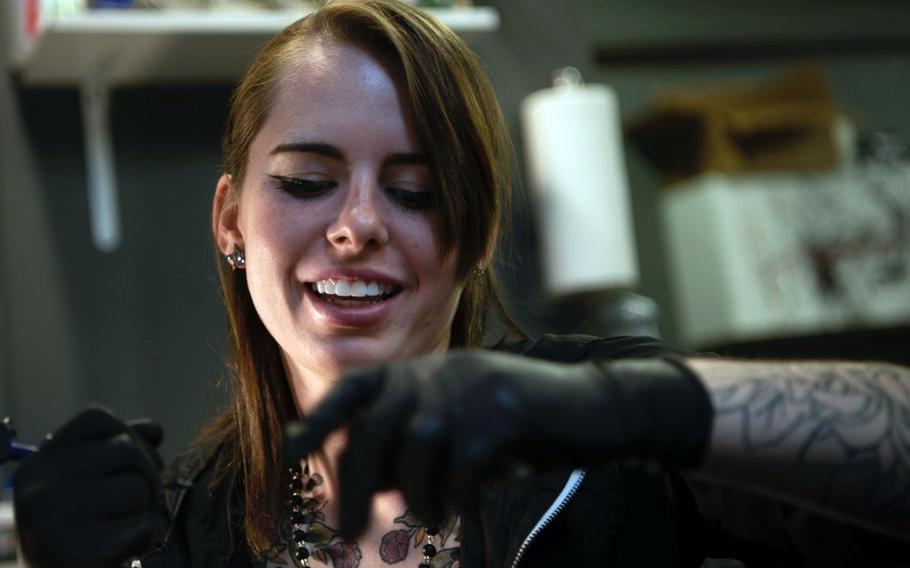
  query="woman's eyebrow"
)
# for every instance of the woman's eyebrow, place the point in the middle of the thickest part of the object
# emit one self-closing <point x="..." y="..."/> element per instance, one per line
<point x="329" y="151"/>
<point x="320" y="148"/>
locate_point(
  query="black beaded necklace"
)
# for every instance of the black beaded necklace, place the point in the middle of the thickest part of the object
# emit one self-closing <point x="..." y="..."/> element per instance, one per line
<point x="303" y="512"/>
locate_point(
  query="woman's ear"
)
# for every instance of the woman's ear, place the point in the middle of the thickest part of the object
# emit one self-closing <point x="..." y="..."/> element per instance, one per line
<point x="225" y="212"/>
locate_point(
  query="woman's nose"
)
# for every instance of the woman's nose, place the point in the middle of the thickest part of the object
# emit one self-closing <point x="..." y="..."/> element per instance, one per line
<point x="359" y="225"/>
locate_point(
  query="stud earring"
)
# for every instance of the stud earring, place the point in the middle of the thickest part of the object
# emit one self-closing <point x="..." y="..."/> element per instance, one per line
<point x="236" y="259"/>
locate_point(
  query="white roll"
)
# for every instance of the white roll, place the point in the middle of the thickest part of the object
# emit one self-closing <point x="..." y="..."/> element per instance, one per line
<point x="573" y="146"/>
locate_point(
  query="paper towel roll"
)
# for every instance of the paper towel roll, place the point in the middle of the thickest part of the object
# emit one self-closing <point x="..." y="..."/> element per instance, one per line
<point x="573" y="144"/>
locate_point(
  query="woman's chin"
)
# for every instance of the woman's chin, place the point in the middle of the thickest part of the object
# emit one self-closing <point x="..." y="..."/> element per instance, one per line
<point x="335" y="356"/>
<point x="344" y="353"/>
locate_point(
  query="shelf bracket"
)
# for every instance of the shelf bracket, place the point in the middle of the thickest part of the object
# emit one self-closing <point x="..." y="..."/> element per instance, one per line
<point x="101" y="179"/>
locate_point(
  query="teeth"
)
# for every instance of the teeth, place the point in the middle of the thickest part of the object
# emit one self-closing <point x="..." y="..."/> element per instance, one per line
<point x="342" y="288"/>
<point x="352" y="288"/>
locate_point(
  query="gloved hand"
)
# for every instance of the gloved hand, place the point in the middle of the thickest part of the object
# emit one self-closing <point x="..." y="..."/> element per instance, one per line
<point x="86" y="497"/>
<point x="437" y="426"/>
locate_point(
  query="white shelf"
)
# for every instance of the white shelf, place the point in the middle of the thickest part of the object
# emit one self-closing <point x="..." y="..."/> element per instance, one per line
<point x="142" y="47"/>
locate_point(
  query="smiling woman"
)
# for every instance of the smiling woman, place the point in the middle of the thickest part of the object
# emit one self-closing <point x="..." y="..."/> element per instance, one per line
<point x="354" y="155"/>
<point x="358" y="212"/>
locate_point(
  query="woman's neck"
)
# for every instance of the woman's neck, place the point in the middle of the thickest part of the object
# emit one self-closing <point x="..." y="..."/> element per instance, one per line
<point x="308" y="387"/>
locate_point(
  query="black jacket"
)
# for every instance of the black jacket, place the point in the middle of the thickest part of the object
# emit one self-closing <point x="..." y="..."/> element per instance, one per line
<point x="616" y="515"/>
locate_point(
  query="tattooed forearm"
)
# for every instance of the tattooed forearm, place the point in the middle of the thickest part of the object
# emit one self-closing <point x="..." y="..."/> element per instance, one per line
<point x="831" y="435"/>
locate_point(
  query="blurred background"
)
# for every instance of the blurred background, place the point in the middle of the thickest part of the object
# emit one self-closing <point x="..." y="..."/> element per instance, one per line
<point x="763" y="185"/>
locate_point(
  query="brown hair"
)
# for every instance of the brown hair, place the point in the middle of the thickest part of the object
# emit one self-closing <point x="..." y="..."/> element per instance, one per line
<point x="460" y="126"/>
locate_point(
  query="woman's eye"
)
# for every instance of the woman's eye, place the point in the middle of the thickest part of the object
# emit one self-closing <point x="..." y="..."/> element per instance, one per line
<point x="411" y="199"/>
<point x="300" y="187"/>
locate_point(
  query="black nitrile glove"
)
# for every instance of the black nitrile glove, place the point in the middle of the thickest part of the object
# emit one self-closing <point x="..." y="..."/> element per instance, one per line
<point x="86" y="497"/>
<point x="437" y="426"/>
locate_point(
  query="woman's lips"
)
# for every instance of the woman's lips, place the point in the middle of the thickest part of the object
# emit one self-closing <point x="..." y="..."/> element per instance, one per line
<point x="352" y="312"/>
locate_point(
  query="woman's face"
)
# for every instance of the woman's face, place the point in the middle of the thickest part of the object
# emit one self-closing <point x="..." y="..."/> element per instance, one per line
<point x="335" y="217"/>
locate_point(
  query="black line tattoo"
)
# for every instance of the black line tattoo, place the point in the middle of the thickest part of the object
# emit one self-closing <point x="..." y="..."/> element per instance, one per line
<point x="846" y="424"/>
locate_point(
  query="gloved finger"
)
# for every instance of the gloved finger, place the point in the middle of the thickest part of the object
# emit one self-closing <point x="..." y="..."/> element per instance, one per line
<point x="93" y="423"/>
<point x="122" y="453"/>
<point x="335" y="410"/>
<point x="148" y="435"/>
<point x="483" y="447"/>
<point x="123" y="495"/>
<point x="147" y="429"/>
<point x="472" y="462"/>
<point x="423" y="463"/>
<point x="368" y="462"/>
<point x="92" y="459"/>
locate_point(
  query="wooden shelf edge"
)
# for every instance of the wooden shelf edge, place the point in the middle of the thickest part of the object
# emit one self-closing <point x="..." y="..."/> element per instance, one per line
<point x="179" y="46"/>
<point x="478" y="19"/>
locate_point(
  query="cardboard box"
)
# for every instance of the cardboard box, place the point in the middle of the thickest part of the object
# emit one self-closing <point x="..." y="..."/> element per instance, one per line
<point x="785" y="125"/>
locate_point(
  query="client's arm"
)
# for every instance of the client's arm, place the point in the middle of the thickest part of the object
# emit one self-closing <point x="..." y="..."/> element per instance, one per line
<point x="833" y="437"/>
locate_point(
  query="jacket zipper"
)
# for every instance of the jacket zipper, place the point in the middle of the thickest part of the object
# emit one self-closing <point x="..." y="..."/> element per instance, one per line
<point x="568" y="491"/>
